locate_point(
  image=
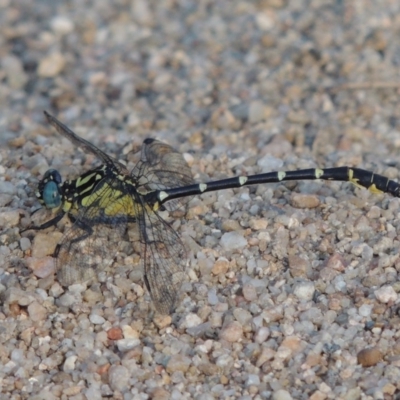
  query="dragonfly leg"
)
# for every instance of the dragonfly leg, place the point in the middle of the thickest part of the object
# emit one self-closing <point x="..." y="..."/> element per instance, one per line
<point x="46" y="225"/>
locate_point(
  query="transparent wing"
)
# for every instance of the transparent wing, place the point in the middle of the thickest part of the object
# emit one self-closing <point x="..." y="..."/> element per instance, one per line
<point x="93" y="240"/>
<point x="164" y="259"/>
<point x="83" y="144"/>
<point x="162" y="167"/>
<point x="80" y="257"/>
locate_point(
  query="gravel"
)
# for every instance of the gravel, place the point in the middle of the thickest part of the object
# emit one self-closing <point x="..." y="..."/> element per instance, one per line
<point x="292" y="289"/>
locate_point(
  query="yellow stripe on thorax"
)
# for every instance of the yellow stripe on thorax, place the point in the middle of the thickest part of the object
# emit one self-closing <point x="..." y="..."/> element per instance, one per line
<point x="111" y="201"/>
<point x="67" y="206"/>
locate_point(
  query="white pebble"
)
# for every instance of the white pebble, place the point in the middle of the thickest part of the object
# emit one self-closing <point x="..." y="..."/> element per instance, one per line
<point x="385" y="294"/>
<point x="69" y="364"/>
<point x="304" y="290"/>
<point x="96" y="319"/>
<point x="191" y="320"/>
<point x="129" y="332"/>
<point x="62" y="25"/>
<point x="282" y="395"/>
<point x="252" y="379"/>
<point x="127" y="344"/>
<point x="262" y="334"/>
<point x="17" y="355"/>
<point x="365" y="310"/>
<point x="25" y="244"/>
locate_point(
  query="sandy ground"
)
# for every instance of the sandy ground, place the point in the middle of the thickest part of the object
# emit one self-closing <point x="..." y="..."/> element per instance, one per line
<point x="292" y="290"/>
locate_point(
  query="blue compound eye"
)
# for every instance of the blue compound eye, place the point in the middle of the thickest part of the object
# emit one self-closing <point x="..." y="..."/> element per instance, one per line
<point x="51" y="195"/>
<point x="52" y="175"/>
<point x="49" y="191"/>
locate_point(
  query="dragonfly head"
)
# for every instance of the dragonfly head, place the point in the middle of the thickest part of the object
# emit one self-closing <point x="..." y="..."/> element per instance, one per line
<point x="49" y="189"/>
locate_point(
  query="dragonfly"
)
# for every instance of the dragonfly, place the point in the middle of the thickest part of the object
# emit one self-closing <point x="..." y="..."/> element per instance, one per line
<point x="104" y="202"/>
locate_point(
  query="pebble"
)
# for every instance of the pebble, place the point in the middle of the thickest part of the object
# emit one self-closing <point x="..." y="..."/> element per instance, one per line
<point x="221" y="266"/>
<point x="178" y="362"/>
<point x="336" y="262"/>
<point x="67" y="299"/>
<point x="369" y="357"/>
<point x="270" y="163"/>
<point x="25" y="244"/>
<point x="44" y="244"/>
<point x="304" y="290"/>
<point x="127" y="344"/>
<point x="17" y="356"/>
<point x="242" y="316"/>
<point x="223" y="119"/>
<point x="92" y="297"/>
<point x="118" y="377"/>
<point x="56" y="290"/>
<point x="5" y="199"/>
<point x="231" y="332"/>
<point x="160" y="394"/>
<point x="115" y="333"/>
<point x="230" y="225"/>
<point x="190" y="321"/>
<point x="240" y="111"/>
<point x="7" y="188"/>
<point x="96" y="319"/>
<point x="51" y="66"/>
<point x="262" y="334"/>
<point x="252" y="379"/>
<point x="36" y="311"/>
<point x="298" y="266"/>
<point x="293" y="343"/>
<point x="41" y="267"/>
<point x="257" y="112"/>
<point x="62" y="25"/>
<point x="282" y="394"/>
<point x="258" y="224"/>
<point x="300" y="200"/>
<point x="15" y="75"/>
<point x="318" y="395"/>
<point x="72" y="390"/>
<point x="224" y="361"/>
<point x="199" y="330"/>
<point x="212" y="297"/>
<point x="69" y="363"/>
<point x="374" y="212"/>
<point x="249" y="292"/>
<point x="9" y="218"/>
<point x="129" y="332"/>
<point x="386" y="294"/>
<point x="365" y="310"/>
<point x="231" y="241"/>
<point x="162" y="321"/>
